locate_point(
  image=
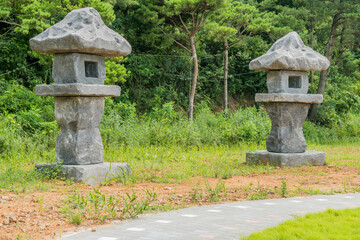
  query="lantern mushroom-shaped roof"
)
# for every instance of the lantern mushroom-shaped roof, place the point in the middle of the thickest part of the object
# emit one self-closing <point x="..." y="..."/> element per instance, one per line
<point x="290" y="53"/>
<point x="81" y="31"/>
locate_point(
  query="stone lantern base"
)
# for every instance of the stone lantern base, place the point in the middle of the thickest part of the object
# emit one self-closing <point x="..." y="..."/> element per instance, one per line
<point x="93" y="173"/>
<point x="308" y="158"/>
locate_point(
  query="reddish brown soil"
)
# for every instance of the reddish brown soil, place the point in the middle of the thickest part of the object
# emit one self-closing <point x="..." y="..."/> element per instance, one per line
<point x="37" y="214"/>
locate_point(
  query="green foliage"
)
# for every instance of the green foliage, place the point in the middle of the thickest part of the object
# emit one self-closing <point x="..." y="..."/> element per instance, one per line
<point x="17" y="66"/>
<point x="96" y="205"/>
<point x="176" y="7"/>
<point x="22" y="20"/>
<point x="31" y="112"/>
<point x="115" y="70"/>
<point x="236" y="19"/>
<point x="157" y="78"/>
<point x="340" y="98"/>
<point x="196" y="193"/>
<point x="75" y="218"/>
<point x="213" y="193"/>
<point x="38" y="15"/>
<point x="5" y="9"/>
<point x="164" y="126"/>
<point x="259" y="193"/>
<point x="283" y="188"/>
<point x="157" y="68"/>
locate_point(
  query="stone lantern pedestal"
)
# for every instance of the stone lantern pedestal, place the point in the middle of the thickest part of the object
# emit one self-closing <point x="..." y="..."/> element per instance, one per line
<point x="80" y="43"/>
<point x="287" y="102"/>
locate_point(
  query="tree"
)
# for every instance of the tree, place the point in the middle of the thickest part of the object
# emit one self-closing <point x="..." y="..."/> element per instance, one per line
<point x="27" y="18"/>
<point x="232" y="26"/>
<point x="187" y="18"/>
<point x="40" y="15"/>
<point x="339" y="12"/>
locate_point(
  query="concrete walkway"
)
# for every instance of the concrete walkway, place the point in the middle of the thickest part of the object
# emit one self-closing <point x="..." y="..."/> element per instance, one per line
<point x="222" y="221"/>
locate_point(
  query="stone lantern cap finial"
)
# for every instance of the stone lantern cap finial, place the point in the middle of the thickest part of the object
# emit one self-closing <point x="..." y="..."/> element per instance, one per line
<point x="290" y="53"/>
<point x="81" y="31"/>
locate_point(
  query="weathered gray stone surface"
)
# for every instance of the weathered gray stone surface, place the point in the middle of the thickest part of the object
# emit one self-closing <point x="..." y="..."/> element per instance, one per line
<point x="92" y="174"/>
<point x="283" y="82"/>
<point x="288" y="97"/>
<point x="71" y="68"/>
<point x="79" y="141"/>
<point x="290" y="53"/>
<point x="81" y="31"/>
<point x="78" y="89"/>
<point x="311" y="158"/>
<point x="77" y="113"/>
<point x="286" y="135"/>
<point x="79" y="147"/>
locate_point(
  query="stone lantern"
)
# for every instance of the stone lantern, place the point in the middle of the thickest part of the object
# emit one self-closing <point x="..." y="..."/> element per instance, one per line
<point x="287" y="102"/>
<point x="79" y="43"/>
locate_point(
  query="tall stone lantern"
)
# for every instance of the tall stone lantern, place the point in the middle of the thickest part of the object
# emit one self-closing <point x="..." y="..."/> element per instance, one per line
<point x="79" y="44"/>
<point x="287" y="102"/>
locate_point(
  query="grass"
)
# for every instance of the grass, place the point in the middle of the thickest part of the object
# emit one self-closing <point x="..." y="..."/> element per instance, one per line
<point x="171" y="164"/>
<point x="331" y="224"/>
<point x="176" y="164"/>
<point x="99" y="206"/>
<point x="167" y="148"/>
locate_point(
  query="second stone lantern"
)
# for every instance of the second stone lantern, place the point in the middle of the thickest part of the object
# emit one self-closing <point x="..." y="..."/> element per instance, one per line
<point x="80" y="43"/>
<point x="287" y="102"/>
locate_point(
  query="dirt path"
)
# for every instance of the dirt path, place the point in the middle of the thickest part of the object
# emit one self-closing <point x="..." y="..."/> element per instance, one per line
<point x="41" y="214"/>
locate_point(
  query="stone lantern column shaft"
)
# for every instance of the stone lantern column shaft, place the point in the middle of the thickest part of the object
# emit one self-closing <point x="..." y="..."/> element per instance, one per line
<point x="79" y="141"/>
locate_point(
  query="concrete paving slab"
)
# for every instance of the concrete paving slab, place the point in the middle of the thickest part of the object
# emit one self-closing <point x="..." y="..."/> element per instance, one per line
<point x="222" y="221"/>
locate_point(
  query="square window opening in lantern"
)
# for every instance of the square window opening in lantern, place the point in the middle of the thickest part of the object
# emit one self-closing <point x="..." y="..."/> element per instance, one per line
<point x="91" y="69"/>
<point x="294" y="82"/>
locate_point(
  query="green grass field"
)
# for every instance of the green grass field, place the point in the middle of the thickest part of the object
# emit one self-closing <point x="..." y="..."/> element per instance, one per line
<point x="331" y="224"/>
<point x="166" y="148"/>
<point x="171" y="164"/>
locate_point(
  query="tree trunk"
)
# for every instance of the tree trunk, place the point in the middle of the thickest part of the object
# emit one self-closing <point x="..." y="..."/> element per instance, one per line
<point x="195" y="75"/>
<point x="226" y="70"/>
<point x="311" y="43"/>
<point x="341" y="47"/>
<point x="324" y="74"/>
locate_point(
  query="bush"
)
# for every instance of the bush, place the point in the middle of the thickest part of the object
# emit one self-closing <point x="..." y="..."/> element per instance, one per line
<point x="340" y="98"/>
<point x="165" y="127"/>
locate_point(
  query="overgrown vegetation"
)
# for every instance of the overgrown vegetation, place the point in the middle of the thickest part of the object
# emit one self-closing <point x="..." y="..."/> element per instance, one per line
<point x="98" y="206"/>
<point x="148" y="124"/>
<point x="160" y="71"/>
<point x="152" y="142"/>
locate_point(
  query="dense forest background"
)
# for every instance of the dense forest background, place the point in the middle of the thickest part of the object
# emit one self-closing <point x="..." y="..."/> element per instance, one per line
<point x="176" y="43"/>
